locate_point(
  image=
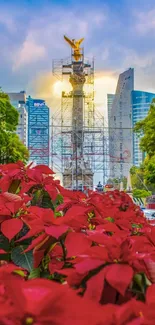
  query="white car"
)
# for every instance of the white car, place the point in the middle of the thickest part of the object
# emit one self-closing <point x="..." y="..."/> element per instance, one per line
<point x="149" y="214"/>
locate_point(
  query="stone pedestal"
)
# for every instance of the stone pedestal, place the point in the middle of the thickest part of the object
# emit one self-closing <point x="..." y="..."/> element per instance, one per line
<point x="76" y="180"/>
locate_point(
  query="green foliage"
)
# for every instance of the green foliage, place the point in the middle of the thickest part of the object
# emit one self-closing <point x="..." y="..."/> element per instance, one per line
<point x="4" y="243"/>
<point x="149" y="166"/>
<point x="146" y="128"/>
<point x="8" y="115"/>
<point x="22" y="259"/>
<point x="41" y="198"/>
<point x="35" y="273"/>
<point x="137" y="178"/>
<point x="141" y="194"/>
<point x="11" y="147"/>
<point x="124" y="180"/>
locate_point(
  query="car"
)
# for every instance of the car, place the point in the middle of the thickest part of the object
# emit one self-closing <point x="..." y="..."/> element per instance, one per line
<point x="149" y="214"/>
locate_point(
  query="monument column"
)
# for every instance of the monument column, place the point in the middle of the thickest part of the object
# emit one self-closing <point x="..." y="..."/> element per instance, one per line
<point x="77" y="82"/>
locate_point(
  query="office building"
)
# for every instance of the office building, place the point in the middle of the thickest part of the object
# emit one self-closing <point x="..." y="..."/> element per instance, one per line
<point x="120" y="127"/>
<point x="38" y="131"/>
<point x="110" y="99"/>
<point x="141" y="102"/>
<point x="18" y="100"/>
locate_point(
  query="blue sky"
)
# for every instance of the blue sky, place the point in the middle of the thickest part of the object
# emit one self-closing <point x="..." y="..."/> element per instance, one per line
<point x="118" y="33"/>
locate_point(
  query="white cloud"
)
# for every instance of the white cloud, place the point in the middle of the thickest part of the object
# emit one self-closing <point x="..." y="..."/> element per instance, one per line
<point x="143" y="63"/>
<point x="136" y="60"/>
<point x="132" y="58"/>
<point x="99" y="19"/>
<point x="28" y="53"/>
<point x="105" y="54"/>
<point x="145" y="21"/>
<point x="8" y="21"/>
<point x="44" y="34"/>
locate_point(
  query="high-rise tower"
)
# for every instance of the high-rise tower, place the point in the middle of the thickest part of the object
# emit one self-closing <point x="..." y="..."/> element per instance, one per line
<point x="38" y="131"/>
<point x="120" y="127"/>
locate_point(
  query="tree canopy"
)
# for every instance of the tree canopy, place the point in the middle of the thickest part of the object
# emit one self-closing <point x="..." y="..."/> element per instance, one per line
<point x="137" y="178"/>
<point x="141" y="194"/>
<point x="11" y="147"/>
<point x="146" y="128"/>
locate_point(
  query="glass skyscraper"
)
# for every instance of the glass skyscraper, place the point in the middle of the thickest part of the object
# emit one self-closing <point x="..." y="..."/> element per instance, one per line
<point x="141" y="102"/>
<point x="38" y="131"/>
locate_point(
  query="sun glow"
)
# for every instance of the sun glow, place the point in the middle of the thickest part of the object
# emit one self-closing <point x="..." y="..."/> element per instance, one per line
<point x="60" y="86"/>
<point x="103" y="84"/>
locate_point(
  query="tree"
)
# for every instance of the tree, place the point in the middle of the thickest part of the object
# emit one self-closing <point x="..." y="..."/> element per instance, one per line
<point x="146" y="128"/>
<point x="11" y="147"/>
<point x="141" y="194"/>
<point x="137" y="178"/>
<point x="149" y="167"/>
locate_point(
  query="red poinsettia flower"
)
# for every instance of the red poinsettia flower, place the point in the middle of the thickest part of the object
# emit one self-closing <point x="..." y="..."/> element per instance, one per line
<point x="42" y="302"/>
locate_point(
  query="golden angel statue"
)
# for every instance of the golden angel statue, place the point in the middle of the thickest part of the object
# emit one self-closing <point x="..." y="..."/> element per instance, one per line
<point x="75" y="46"/>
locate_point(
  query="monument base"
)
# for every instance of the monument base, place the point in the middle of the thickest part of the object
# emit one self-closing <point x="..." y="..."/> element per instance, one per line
<point x="74" y="180"/>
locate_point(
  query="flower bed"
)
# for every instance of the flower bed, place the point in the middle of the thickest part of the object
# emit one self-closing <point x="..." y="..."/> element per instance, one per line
<point x="72" y="258"/>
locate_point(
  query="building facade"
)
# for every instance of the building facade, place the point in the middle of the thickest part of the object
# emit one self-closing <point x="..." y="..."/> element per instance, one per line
<point x="141" y="102"/>
<point x="38" y="131"/>
<point x="18" y="100"/>
<point x="110" y="99"/>
<point x="120" y="127"/>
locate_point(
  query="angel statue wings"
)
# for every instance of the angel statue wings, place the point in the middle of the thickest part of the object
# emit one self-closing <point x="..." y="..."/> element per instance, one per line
<point x="75" y="45"/>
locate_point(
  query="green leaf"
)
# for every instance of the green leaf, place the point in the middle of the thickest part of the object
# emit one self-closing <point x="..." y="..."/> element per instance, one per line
<point x="35" y="273"/>
<point x="5" y="257"/>
<point x="110" y="219"/>
<point x="134" y="225"/>
<point x="22" y="259"/>
<point x="59" y="200"/>
<point x="138" y="280"/>
<point x="4" y="243"/>
<point x="14" y="186"/>
<point x="46" y="201"/>
<point x="45" y="274"/>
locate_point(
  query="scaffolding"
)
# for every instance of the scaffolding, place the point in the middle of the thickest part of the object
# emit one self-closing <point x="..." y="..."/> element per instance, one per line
<point x="78" y="168"/>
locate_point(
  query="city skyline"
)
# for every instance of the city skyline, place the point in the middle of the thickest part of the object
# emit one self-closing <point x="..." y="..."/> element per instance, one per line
<point x="115" y="34"/>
